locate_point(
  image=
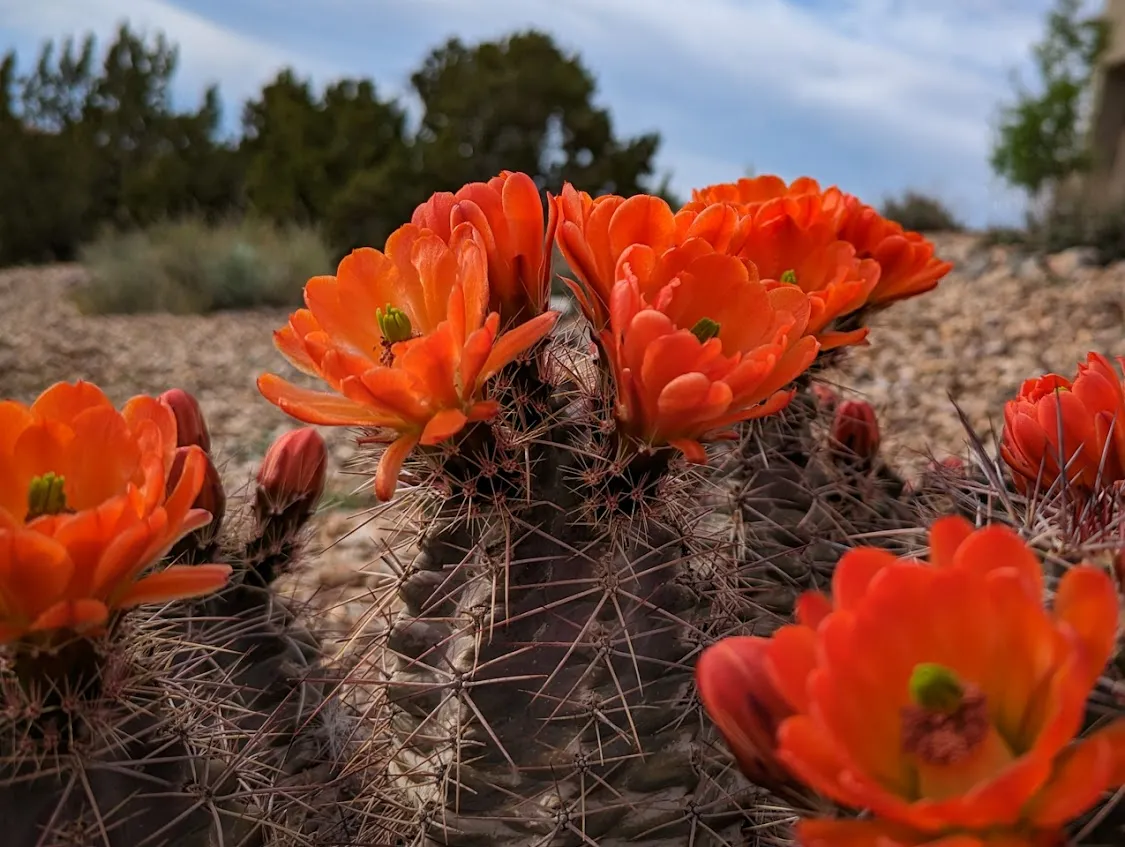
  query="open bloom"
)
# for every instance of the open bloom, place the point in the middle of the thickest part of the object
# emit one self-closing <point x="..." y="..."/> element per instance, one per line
<point x="907" y="264"/>
<point x="697" y="344"/>
<point x="404" y="340"/>
<point x="84" y="510"/>
<point x="943" y="698"/>
<point x="753" y="190"/>
<point x="793" y="241"/>
<point x="1054" y="423"/>
<point x="506" y="214"/>
<point x="907" y="261"/>
<point x="594" y="232"/>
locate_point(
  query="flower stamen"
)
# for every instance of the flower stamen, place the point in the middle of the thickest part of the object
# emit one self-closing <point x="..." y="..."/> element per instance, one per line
<point x="45" y="496"/>
<point x="947" y="720"/>
<point x="395" y="326"/>
<point x="705" y="329"/>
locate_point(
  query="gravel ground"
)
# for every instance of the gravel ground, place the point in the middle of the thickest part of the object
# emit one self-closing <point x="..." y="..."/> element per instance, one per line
<point x="995" y="321"/>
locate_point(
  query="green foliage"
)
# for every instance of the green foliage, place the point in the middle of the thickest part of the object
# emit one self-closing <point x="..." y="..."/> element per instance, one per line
<point x="91" y="142"/>
<point x="189" y="266"/>
<point x="1041" y="138"/>
<point x="1075" y="225"/>
<point x="921" y="213"/>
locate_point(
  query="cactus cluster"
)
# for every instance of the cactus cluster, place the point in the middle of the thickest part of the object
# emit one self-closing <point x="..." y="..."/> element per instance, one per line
<point x="659" y="586"/>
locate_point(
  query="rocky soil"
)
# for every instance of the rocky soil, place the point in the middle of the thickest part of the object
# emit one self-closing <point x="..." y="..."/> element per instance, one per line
<point x="998" y="319"/>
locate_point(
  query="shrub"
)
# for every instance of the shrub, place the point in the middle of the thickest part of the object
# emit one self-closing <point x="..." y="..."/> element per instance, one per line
<point x="921" y="213"/>
<point x="190" y="267"/>
<point x="1074" y="225"/>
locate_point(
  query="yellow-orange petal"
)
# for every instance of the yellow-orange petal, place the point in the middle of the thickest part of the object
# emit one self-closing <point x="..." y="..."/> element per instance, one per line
<point x="390" y="465"/>
<point x="877" y="833"/>
<point x="693" y="451"/>
<point x="1086" y="600"/>
<point x="178" y="582"/>
<point x="319" y="407"/>
<point x="79" y="615"/>
<point x="444" y="425"/>
<point x="34" y="572"/>
<point x="946" y="535"/>
<point x="514" y="342"/>
<point x="1082" y="774"/>
<point x="64" y="401"/>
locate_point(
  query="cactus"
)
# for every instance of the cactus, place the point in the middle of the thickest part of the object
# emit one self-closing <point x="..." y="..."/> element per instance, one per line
<point x="185" y="724"/>
<point x="617" y="534"/>
<point x="573" y="556"/>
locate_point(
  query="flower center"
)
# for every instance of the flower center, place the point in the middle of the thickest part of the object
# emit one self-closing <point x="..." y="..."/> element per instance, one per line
<point x="705" y="329"/>
<point x="789" y="276"/>
<point x="394" y="325"/>
<point x="45" y="496"/>
<point x="947" y="720"/>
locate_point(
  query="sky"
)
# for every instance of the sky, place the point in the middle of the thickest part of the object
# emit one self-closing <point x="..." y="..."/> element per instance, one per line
<point x="876" y="96"/>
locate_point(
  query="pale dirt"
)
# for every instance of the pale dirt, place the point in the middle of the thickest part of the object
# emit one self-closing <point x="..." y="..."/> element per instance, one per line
<point x="995" y="321"/>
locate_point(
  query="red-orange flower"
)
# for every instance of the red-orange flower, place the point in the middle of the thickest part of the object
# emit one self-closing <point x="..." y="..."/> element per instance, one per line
<point x="793" y="240"/>
<point x="404" y="340"/>
<point x="84" y="510"/>
<point x="593" y="233"/>
<point x="696" y="344"/>
<point x="753" y="190"/>
<point x="907" y="263"/>
<point x="909" y="266"/>
<point x="1054" y="423"/>
<point x="506" y="214"/>
<point x="943" y="698"/>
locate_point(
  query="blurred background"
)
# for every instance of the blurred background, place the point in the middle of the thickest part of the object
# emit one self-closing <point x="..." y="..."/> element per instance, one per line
<point x="342" y="115"/>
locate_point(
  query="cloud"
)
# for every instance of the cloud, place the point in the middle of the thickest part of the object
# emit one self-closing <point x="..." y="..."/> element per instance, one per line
<point x="210" y="52"/>
<point x="874" y="94"/>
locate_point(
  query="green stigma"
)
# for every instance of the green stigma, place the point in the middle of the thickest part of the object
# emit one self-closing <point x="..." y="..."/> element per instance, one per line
<point x="45" y="496"/>
<point x="705" y="329"/>
<point x="394" y="324"/>
<point x="789" y="276"/>
<point x="936" y="688"/>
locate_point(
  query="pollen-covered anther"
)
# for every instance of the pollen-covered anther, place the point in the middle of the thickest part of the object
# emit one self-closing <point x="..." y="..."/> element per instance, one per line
<point x="947" y="720"/>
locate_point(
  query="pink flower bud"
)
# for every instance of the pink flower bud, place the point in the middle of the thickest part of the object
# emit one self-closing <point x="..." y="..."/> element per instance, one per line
<point x="826" y="398"/>
<point x="191" y="428"/>
<point x="295" y="467"/>
<point x="950" y="464"/>
<point x="855" y="430"/>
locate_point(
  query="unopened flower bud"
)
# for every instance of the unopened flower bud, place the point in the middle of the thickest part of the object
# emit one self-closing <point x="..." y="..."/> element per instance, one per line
<point x="295" y="467"/>
<point x="191" y="428"/>
<point x="855" y="431"/>
<point x="826" y="398"/>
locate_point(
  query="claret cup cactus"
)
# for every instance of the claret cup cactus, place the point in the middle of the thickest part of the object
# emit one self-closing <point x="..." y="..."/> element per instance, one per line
<point x="127" y="717"/>
<point x="661" y="587"/>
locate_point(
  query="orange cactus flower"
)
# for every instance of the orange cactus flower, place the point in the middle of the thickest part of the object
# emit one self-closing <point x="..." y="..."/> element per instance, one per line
<point x="593" y="233"/>
<point x="404" y="341"/>
<point x="1055" y="423"/>
<point x="697" y="344"/>
<point x="943" y="698"/>
<point x="752" y="190"/>
<point x="792" y="240"/>
<point x="506" y="214"/>
<point x="909" y="266"/>
<point x="84" y="510"/>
